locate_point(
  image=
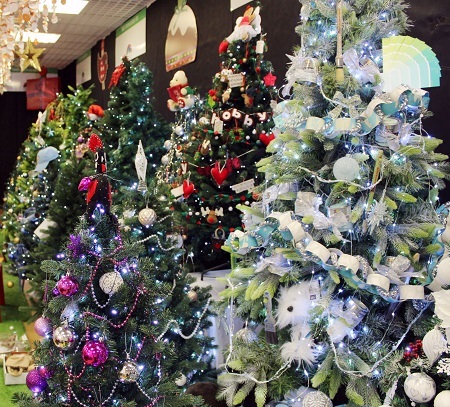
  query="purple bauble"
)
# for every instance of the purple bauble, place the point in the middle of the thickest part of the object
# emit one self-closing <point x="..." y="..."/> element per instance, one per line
<point x="55" y="292"/>
<point x="45" y="372"/>
<point x="95" y="353"/>
<point x="67" y="286"/>
<point x="35" y="382"/>
<point x="43" y="326"/>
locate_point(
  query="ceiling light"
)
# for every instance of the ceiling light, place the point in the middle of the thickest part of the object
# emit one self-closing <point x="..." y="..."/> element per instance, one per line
<point x="41" y="38"/>
<point x="71" y="7"/>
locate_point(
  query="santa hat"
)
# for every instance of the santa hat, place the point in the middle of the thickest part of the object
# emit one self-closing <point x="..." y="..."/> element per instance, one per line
<point x="95" y="112"/>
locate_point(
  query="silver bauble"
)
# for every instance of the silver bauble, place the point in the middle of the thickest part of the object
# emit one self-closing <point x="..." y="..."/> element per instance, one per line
<point x="317" y="399"/>
<point x="181" y="381"/>
<point x="167" y="144"/>
<point x="129" y="372"/>
<point x="165" y="159"/>
<point x="64" y="337"/>
<point x="246" y="335"/>
<point x="442" y="399"/>
<point x="147" y="217"/>
<point x="111" y="282"/>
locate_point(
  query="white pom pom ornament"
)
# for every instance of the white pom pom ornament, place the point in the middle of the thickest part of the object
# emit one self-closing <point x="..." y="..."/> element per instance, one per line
<point x="442" y="399"/>
<point x="111" y="282"/>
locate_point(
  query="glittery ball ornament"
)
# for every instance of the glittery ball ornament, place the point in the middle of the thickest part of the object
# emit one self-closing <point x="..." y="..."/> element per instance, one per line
<point x="147" y="217"/>
<point x="95" y="353"/>
<point x="419" y="387"/>
<point x="346" y="169"/>
<point x="246" y="335"/>
<point x="43" y="326"/>
<point x="129" y="372"/>
<point x="67" y="286"/>
<point x="64" y="337"/>
<point x="181" y="381"/>
<point x="35" y="382"/>
<point x="442" y="399"/>
<point x="45" y="372"/>
<point x="317" y="399"/>
<point x="111" y="282"/>
<point x="192" y="295"/>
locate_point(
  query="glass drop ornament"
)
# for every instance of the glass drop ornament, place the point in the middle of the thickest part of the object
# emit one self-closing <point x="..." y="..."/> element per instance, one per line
<point x="64" y="337"/>
<point x="129" y="372"/>
<point x="147" y="217"/>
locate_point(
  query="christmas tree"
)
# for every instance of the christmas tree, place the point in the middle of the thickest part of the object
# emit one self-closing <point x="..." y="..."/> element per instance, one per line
<point x="108" y="313"/>
<point x="32" y="183"/>
<point x="337" y="263"/>
<point x="230" y="136"/>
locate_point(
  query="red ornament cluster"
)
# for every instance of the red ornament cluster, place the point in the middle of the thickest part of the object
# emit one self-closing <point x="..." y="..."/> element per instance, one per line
<point x="413" y="351"/>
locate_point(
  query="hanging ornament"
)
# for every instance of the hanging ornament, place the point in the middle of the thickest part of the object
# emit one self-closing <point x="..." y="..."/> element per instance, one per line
<point x="129" y="372"/>
<point x="346" y="169"/>
<point x="246" y="335"/>
<point x="442" y="399"/>
<point x="67" y="286"/>
<point x="140" y="163"/>
<point x="64" y="337"/>
<point x="419" y="387"/>
<point x="219" y="174"/>
<point x="147" y="217"/>
<point x="269" y="79"/>
<point x="434" y="345"/>
<point x="45" y="372"/>
<point x="35" y="382"/>
<point x="266" y="138"/>
<point x="43" y="326"/>
<point x="117" y="73"/>
<point x="181" y="381"/>
<point x="269" y="321"/>
<point x="165" y="159"/>
<point x="168" y="144"/>
<point x="111" y="282"/>
<point x="317" y="399"/>
<point x="30" y="56"/>
<point x="95" y="353"/>
<point x="192" y="295"/>
<point x="188" y="188"/>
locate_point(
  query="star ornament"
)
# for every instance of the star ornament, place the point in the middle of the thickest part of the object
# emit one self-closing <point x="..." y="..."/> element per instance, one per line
<point x="29" y="57"/>
<point x="269" y="79"/>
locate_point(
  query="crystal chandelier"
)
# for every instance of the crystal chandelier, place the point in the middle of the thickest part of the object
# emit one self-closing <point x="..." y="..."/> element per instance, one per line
<point x="17" y="17"/>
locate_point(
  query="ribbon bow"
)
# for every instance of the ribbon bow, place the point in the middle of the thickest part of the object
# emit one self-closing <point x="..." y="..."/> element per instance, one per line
<point x="276" y="264"/>
<point x="349" y="103"/>
<point x="362" y="69"/>
<point x="398" y="269"/>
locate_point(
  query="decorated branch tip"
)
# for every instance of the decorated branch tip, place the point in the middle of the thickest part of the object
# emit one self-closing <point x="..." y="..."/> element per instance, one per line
<point x="97" y="185"/>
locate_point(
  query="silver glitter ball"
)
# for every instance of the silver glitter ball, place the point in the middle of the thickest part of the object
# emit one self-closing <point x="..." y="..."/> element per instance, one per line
<point x="129" y="372"/>
<point x="246" y="335"/>
<point x="317" y="399"/>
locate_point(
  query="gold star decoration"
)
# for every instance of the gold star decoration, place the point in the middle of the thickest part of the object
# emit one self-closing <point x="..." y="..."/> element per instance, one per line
<point x="30" y="56"/>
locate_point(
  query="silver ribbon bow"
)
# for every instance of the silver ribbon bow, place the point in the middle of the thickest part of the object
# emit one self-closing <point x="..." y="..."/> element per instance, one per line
<point x="349" y="103"/>
<point x="362" y="69"/>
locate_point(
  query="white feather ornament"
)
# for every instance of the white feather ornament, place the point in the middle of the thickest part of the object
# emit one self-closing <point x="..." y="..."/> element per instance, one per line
<point x="300" y="350"/>
<point x="433" y="345"/>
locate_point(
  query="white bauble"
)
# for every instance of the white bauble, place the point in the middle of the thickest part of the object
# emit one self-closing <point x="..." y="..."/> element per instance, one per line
<point x="179" y="130"/>
<point x="181" y="381"/>
<point x="111" y="282"/>
<point x="147" y="217"/>
<point x="434" y="345"/>
<point x="346" y="169"/>
<point x="167" y="144"/>
<point x="420" y="387"/>
<point x="165" y="159"/>
<point x="442" y="399"/>
<point x="317" y="399"/>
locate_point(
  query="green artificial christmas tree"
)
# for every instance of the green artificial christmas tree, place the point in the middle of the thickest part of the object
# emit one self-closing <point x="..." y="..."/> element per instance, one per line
<point x="32" y="183"/>
<point x="343" y="264"/>
<point x="230" y="136"/>
<point x="108" y="313"/>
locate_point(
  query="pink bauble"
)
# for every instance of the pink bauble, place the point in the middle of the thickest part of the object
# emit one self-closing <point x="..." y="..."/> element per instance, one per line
<point x="95" y="353"/>
<point x="43" y="326"/>
<point x="45" y="372"/>
<point x="67" y="286"/>
<point x="35" y="382"/>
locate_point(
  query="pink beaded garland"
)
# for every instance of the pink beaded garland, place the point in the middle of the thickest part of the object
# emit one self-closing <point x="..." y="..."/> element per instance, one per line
<point x="95" y="353"/>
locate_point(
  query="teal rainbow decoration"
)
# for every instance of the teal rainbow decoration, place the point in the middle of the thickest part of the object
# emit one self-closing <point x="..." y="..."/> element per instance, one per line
<point x="409" y="61"/>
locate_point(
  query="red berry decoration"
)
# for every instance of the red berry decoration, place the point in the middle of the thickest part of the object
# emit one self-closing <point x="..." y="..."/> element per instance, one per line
<point x="95" y="353"/>
<point x="67" y="286"/>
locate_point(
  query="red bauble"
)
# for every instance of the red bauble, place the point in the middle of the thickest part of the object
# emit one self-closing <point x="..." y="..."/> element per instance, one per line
<point x="95" y="353"/>
<point x="45" y="372"/>
<point x="67" y="286"/>
<point x="35" y="382"/>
